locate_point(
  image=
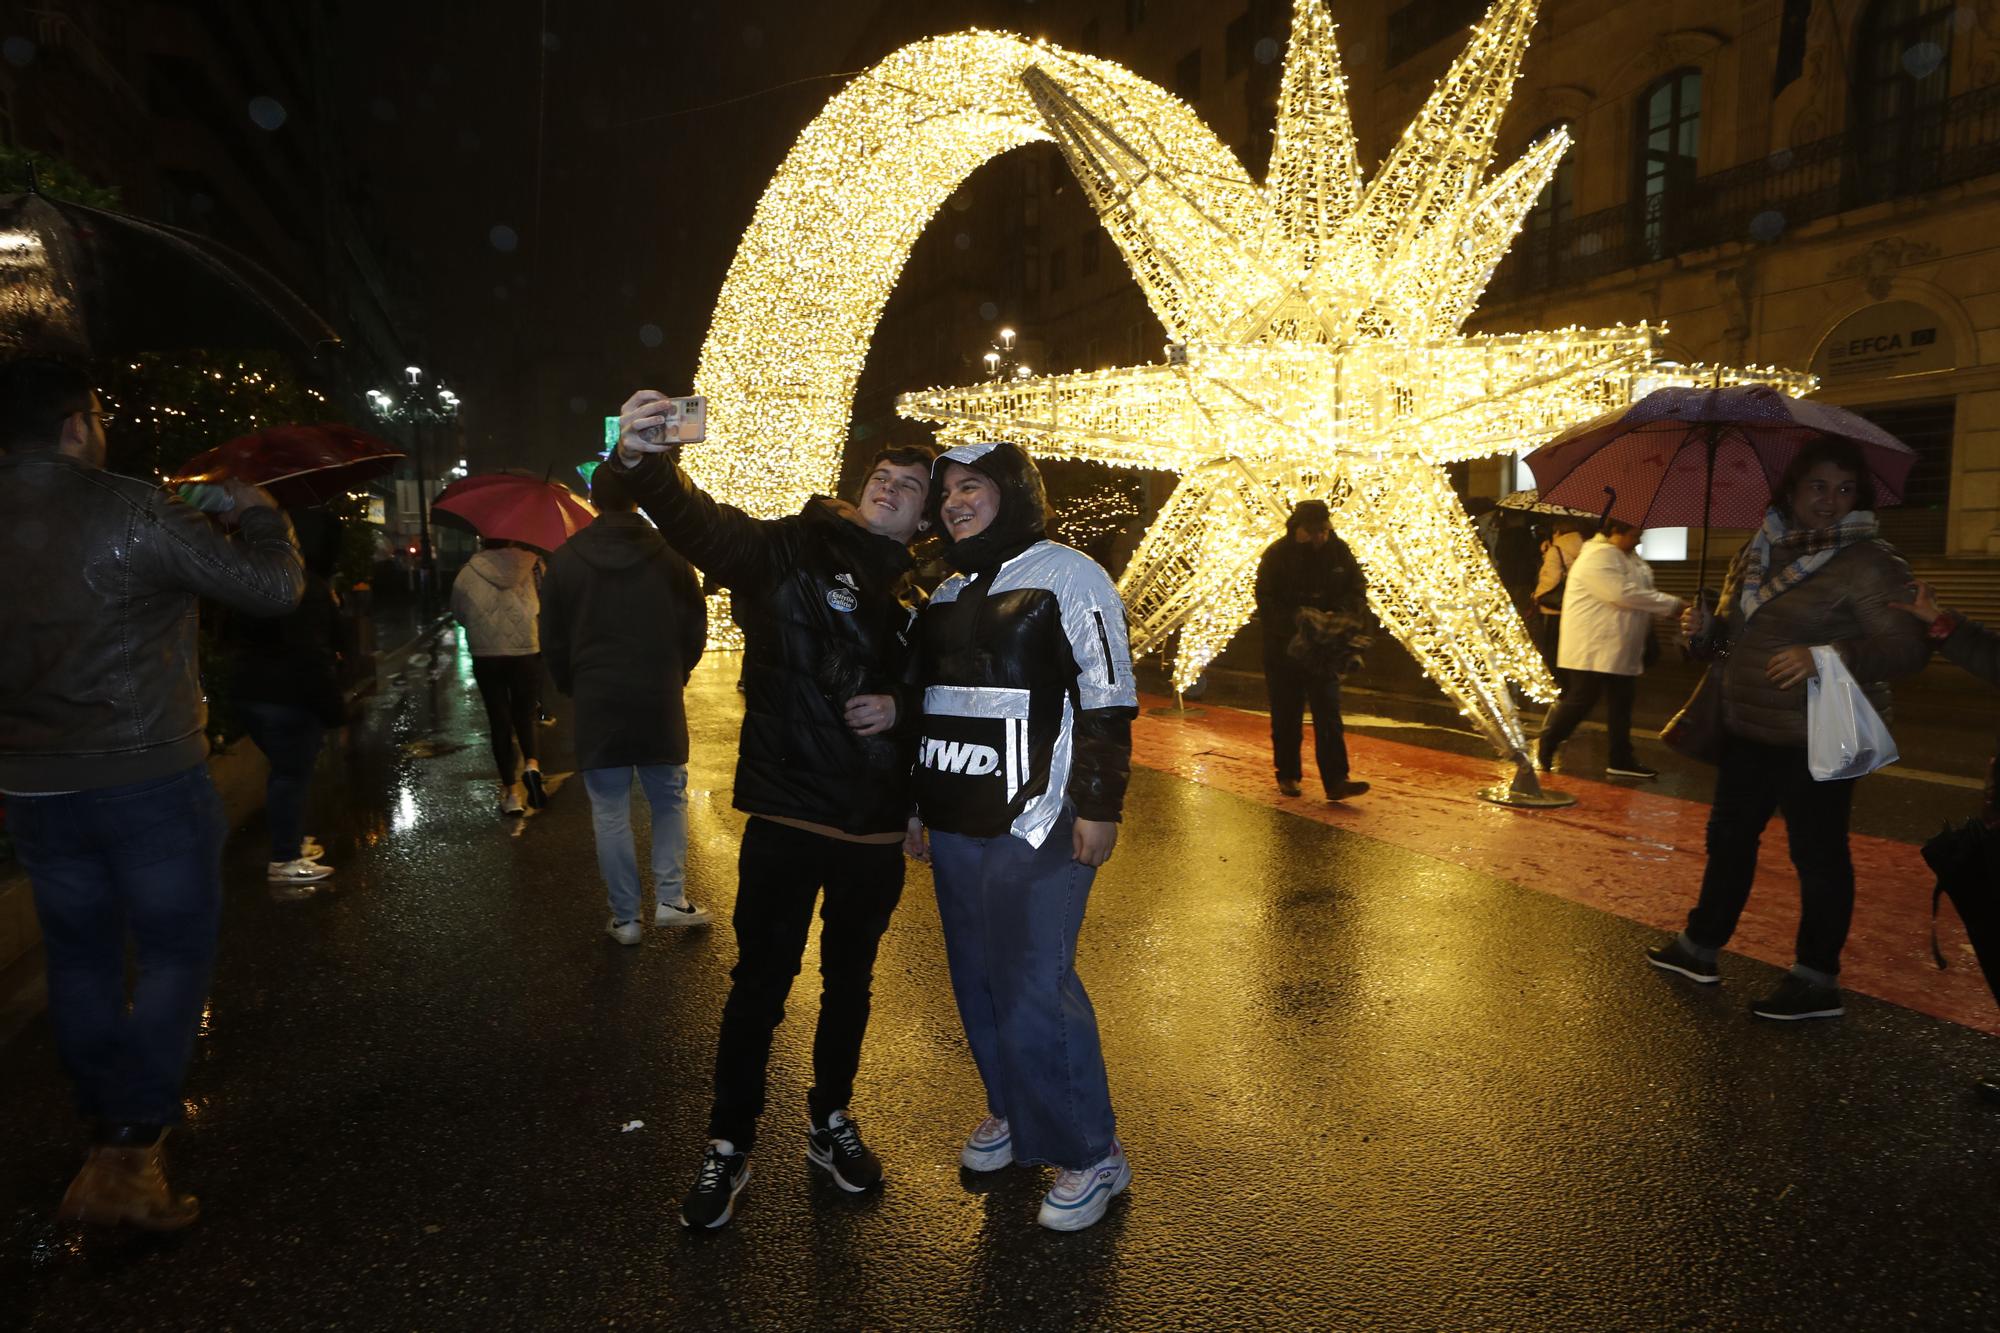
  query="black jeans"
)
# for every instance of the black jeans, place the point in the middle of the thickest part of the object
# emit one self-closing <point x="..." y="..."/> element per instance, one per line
<point x="1581" y="691"/>
<point x="290" y="739"/>
<point x="1753" y="781"/>
<point x="780" y="873"/>
<point x="1291" y="691"/>
<point x="512" y="689"/>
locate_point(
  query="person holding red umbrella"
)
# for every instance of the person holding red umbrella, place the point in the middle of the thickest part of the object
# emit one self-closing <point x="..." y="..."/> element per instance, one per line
<point x="1816" y="574"/>
<point x="497" y="598"/>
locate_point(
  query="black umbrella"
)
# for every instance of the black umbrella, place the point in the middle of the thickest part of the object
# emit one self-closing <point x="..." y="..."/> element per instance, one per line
<point x="80" y="283"/>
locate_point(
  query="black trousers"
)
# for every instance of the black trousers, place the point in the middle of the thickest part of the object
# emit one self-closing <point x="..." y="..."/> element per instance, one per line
<point x="1581" y="691"/>
<point x="1752" y="783"/>
<point x="780" y="874"/>
<point x="512" y="690"/>
<point x="1291" y="692"/>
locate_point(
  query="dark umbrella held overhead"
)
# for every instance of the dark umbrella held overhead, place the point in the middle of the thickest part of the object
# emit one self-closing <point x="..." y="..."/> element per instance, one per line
<point x="80" y="283"/>
<point x="298" y="465"/>
<point x="506" y="507"/>
<point x="1684" y="457"/>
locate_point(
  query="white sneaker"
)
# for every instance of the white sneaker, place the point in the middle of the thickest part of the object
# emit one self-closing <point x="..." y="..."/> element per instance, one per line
<point x="683" y="913"/>
<point x="309" y="848"/>
<point x="625" y="932"/>
<point x="510" y="799"/>
<point x="1079" y="1198"/>
<point x="990" y="1147"/>
<point x="300" y="871"/>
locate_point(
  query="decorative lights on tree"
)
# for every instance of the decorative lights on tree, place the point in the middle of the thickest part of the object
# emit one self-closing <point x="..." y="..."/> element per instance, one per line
<point x="1315" y="323"/>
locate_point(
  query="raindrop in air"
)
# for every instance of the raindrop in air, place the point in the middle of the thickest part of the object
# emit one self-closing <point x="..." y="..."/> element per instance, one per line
<point x="987" y="310"/>
<point x="753" y="36"/>
<point x="628" y="291"/>
<point x="1767" y="226"/>
<point x="650" y="335"/>
<point x="579" y="405"/>
<point x="503" y="238"/>
<point x="1780" y="160"/>
<point x="266" y="113"/>
<point x="17" y="51"/>
<point x="962" y="241"/>
<point x="551" y="42"/>
<point x="1923" y="59"/>
<point x="469" y="140"/>
<point x="1266" y="50"/>
<point x="499" y="291"/>
<point x="382" y="109"/>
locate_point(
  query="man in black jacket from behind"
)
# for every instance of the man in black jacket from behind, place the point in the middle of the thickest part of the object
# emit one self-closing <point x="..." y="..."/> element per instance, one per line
<point x="823" y="770"/>
<point x="623" y="625"/>
<point x="1307" y="568"/>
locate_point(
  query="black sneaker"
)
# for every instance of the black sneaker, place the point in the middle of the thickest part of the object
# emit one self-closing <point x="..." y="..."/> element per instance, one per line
<point x="1673" y="956"/>
<point x="1340" y="791"/>
<point x="532" y="780"/>
<point x="1798" y="998"/>
<point x="1545" y="758"/>
<point x="1632" y="769"/>
<point x="837" y="1148"/>
<point x="1290" y="787"/>
<point x="721" y="1178"/>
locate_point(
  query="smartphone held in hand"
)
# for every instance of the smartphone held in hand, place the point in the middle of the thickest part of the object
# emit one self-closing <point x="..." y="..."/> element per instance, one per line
<point x="685" y="421"/>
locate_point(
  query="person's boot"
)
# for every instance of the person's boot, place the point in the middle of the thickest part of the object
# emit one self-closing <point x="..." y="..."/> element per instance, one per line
<point x="124" y="1180"/>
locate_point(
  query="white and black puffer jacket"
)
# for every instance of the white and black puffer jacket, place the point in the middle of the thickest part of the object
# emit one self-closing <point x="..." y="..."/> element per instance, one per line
<point x="1028" y="696"/>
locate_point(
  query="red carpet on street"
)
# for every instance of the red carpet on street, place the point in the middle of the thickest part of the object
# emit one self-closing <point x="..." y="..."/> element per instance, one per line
<point x="1620" y="849"/>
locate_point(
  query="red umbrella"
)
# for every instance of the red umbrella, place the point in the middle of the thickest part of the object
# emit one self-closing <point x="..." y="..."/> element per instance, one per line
<point x="505" y="507"/>
<point x="298" y="465"/>
<point x="1682" y="457"/>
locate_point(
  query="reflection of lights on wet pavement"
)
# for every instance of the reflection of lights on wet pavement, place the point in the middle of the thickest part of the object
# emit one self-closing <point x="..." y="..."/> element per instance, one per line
<point x="406" y="813"/>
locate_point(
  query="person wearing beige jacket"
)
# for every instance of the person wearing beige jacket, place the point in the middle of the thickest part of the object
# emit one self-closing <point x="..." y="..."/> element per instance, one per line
<point x="497" y="598"/>
<point x="1817" y="574"/>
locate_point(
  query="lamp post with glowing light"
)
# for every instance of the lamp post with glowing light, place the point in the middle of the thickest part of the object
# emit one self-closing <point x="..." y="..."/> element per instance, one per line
<point x="1000" y="358"/>
<point x="417" y="409"/>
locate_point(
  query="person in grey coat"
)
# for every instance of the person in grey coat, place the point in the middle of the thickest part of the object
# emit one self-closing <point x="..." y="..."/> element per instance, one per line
<point x="1817" y="574"/>
<point x="622" y="626"/>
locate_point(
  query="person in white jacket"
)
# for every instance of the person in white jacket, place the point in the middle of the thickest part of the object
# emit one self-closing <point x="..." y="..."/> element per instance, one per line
<point x="497" y="597"/>
<point x="1607" y="607"/>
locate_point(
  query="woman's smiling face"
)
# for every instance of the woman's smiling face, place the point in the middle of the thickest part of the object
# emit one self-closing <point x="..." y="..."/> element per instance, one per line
<point x="971" y="502"/>
<point x="1825" y="495"/>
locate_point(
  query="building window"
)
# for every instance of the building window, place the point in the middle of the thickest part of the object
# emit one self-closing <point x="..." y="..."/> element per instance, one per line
<point x="1902" y="79"/>
<point x="1187" y="76"/>
<point x="1545" y="231"/>
<point x="1918" y="526"/>
<point x="1236" y="46"/>
<point x="1090" y="251"/>
<point x="1058" y="269"/>
<point x="1424" y="23"/>
<point x="1669" y="141"/>
<point x="1135" y="14"/>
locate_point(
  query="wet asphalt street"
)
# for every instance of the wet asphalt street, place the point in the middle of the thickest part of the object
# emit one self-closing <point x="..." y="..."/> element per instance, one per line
<point x="1360" y="1088"/>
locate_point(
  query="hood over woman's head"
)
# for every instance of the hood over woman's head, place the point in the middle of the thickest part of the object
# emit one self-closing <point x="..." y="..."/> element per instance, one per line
<point x="1024" y="504"/>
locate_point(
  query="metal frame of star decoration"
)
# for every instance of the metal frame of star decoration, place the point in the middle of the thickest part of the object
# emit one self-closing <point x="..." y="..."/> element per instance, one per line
<point x="1314" y="325"/>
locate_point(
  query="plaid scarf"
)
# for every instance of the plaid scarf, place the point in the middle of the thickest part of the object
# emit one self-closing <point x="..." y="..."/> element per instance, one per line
<point x="1803" y="550"/>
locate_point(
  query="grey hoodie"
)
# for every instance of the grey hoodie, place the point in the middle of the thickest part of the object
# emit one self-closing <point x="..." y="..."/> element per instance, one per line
<point x="497" y="597"/>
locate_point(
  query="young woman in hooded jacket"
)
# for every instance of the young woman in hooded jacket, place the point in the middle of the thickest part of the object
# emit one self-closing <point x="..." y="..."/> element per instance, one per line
<point x="1028" y="702"/>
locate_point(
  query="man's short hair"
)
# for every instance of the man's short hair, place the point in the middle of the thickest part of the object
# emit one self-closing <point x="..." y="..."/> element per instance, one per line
<point x="36" y="397"/>
<point x="1310" y="515"/>
<point x="609" y="490"/>
<point x="905" y="455"/>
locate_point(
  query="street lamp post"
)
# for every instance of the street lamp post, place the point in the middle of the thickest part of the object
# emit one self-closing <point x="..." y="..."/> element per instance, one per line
<point x="999" y="358"/>
<point x="415" y="412"/>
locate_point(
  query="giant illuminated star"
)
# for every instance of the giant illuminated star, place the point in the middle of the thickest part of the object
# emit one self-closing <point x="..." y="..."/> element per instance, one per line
<point x="1314" y="325"/>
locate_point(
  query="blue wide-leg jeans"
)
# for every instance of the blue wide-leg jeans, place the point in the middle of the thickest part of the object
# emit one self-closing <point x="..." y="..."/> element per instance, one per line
<point x="610" y="791"/>
<point x="143" y="861"/>
<point x="1011" y="916"/>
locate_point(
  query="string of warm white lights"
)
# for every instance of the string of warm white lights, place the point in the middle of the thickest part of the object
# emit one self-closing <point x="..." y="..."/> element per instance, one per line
<point x="1316" y="322"/>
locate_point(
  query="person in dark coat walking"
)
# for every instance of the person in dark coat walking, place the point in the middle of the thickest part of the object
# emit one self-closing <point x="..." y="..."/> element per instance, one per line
<point x="823" y="770"/>
<point x="1307" y="568"/>
<point x="623" y="625"/>
<point x="284" y="682"/>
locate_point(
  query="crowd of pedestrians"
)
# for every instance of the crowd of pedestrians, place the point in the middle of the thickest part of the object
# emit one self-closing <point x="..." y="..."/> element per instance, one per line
<point x="984" y="728"/>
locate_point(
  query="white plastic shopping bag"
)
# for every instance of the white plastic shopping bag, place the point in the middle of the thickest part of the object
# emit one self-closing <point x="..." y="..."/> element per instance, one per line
<point x="1845" y="736"/>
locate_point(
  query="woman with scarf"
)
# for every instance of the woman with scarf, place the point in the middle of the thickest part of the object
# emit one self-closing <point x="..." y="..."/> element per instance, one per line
<point x="1021" y="773"/>
<point x="1817" y="573"/>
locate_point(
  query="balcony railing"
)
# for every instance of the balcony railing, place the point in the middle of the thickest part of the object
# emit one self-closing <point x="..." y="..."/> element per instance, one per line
<point x="1758" y="202"/>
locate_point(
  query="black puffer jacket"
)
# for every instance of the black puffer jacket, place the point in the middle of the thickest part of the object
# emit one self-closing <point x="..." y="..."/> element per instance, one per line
<point x="826" y="608"/>
<point x="1028" y="689"/>
<point x="623" y="625"/>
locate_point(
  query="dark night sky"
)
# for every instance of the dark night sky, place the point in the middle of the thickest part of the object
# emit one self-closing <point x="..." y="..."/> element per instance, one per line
<point x="628" y="213"/>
